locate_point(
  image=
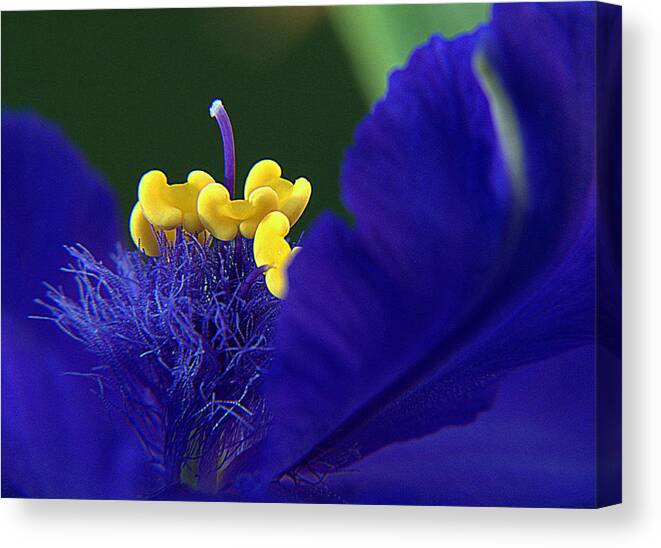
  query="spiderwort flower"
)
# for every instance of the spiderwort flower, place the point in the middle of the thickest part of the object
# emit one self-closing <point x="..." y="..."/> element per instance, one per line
<point x="473" y="187"/>
<point x="185" y="327"/>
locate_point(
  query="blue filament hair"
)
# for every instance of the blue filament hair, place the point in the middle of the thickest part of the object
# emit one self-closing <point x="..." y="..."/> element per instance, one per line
<point x="183" y="340"/>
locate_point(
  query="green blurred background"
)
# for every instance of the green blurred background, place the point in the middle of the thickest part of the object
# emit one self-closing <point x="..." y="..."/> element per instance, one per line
<point x="131" y="88"/>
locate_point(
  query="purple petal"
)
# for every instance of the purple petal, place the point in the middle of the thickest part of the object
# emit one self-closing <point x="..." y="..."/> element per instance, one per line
<point x="453" y="274"/>
<point x="426" y="183"/>
<point x="387" y="309"/>
<point x="57" y="439"/>
<point x="535" y="447"/>
<point x="50" y="197"/>
<point x="544" y="55"/>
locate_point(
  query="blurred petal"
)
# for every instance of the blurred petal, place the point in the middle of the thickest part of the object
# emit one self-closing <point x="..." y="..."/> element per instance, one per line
<point x="362" y="305"/>
<point x="50" y="197"/>
<point x="425" y="182"/>
<point x="456" y="271"/>
<point x="544" y="54"/>
<point x="57" y="440"/>
<point x="553" y="316"/>
<point x="534" y="447"/>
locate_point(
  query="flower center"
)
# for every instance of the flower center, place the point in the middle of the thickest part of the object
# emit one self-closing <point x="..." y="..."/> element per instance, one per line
<point x="204" y="208"/>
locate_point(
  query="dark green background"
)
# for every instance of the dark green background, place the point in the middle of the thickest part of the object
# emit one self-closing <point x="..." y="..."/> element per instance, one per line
<point x="132" y="88"/>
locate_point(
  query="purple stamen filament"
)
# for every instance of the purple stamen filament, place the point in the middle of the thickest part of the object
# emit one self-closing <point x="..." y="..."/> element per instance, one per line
<point x="217" y="111"/>
<point x="251" y="279"/>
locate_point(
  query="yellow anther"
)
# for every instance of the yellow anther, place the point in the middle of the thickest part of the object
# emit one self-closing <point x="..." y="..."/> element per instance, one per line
<point x="265" y="173"/>
<point x="170" y="206"/>
<point x="262" y="201"/>
<point x="217" y="213"/>
<point x="272" y="250"/>
<point x="293" y="198"/>
<point x="297" y="201"/>
<point x="224" y="217"/>
<point x="265" y="191"/>
<point x="164" y="207"/>
<point x="143" y="234"/>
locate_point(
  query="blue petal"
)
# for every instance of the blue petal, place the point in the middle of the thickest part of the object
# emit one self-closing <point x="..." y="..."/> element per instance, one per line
<point x="398" y="283"/>
<point x="362" y="341"/>
<point x="449" y="279"/>
<point x="544" y="54"/>
<point x="51" y="197"/>
<point x="57" y="440"/>
<point x="547" y="319"/>
<point x="535" y="447"/>
<point x="426" y="184"/>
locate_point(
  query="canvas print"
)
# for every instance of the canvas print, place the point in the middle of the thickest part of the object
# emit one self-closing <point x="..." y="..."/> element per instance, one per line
<point x="349" y="255"/>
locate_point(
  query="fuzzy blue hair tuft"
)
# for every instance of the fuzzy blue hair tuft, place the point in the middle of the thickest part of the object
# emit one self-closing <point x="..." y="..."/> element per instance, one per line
<point x="183" y="340"/>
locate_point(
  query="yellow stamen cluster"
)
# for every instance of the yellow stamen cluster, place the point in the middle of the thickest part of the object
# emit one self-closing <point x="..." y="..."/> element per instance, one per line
<point x="271" y="206"/>
<point x="265" y="191"/>
<point x="166" y="207"/>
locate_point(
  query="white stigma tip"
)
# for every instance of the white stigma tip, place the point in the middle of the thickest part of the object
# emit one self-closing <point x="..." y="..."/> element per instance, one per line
<point x="216" y="107"/>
